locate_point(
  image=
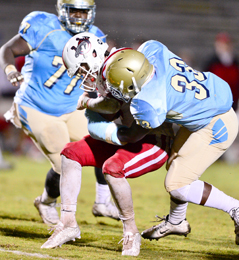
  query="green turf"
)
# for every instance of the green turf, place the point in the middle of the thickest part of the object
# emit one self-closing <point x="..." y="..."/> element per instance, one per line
<point x="21" y="229"/>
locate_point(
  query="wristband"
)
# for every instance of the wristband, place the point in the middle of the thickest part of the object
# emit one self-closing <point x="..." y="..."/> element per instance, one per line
<point x="10" y="68"/>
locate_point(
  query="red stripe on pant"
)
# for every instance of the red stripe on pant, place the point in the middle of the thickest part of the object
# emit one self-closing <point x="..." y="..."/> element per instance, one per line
<point x="117" y="160"/>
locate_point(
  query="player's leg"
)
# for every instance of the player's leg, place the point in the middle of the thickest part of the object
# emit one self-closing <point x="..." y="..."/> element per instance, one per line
<point x="199" y="151"/>
<point x="132" y="160"/>
<point x="103" y="206"/>
<point x="46" y="202"/>
<point x="121" y="193"/>
<point x="75" y="155"/>
<point x="67" y="228"/>
<point x="49" y="134"/>
<point x="208" y="144"/>
<point x="22" y="120"/>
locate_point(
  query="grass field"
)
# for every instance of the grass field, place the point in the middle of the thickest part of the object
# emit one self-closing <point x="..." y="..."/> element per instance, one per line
<point x="22" y="233"/>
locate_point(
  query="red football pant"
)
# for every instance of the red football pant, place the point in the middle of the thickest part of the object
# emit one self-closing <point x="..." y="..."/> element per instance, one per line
<point x="130" y="161"/>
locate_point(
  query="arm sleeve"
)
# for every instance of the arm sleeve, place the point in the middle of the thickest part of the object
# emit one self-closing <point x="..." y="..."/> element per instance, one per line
<point x="101" y="129"/>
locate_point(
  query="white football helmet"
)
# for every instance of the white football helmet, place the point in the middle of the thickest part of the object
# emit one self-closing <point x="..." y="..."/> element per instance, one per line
<point x="84" y="48"/>
<point x="76" y="25"/>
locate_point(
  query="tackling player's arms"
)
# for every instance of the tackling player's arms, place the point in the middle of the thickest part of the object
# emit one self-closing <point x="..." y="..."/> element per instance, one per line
<point x="132" y="134"/>
<point x="104" y="105"/>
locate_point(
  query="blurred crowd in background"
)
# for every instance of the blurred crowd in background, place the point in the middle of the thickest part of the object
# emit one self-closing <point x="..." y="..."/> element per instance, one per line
<point x="223" y="62"/>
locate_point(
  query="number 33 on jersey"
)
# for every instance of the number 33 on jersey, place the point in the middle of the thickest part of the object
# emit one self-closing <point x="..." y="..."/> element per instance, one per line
<point x="177" y="93"/>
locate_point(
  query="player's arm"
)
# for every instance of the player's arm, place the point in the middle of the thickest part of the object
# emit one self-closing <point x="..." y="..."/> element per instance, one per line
<point x="102" y="129"/>
<point x="132" y="134"/>
<point x="100" y="104"/>
<point x="164" y="129"/>
<point x="15" y="47"/>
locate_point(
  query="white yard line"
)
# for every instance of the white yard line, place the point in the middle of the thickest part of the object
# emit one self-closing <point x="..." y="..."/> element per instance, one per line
<point x="32" y="254"/>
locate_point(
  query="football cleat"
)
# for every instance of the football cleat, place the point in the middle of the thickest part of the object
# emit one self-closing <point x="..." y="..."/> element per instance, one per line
<point x="234" y="213"/>
<point x="105" y="210"/>
<point x="47" y="212"/>
<point x="166" y="228"/>
<point x="131" y="244"/>
<point x="61" y="235"/>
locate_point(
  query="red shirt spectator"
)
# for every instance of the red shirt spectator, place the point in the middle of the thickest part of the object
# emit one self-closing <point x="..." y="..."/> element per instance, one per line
<point x="225" y="64"/>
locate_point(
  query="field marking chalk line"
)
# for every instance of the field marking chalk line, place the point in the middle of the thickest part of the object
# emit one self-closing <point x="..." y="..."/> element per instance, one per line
<point x="32" y="254"/>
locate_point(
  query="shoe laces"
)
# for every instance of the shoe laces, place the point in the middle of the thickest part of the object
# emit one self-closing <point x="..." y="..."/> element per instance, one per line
<point x="159" y="219"/>
<point x="56" y="228"/>
<point x="127" y="240"/>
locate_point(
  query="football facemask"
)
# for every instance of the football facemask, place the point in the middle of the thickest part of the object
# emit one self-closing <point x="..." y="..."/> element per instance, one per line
<point x="88" y="78"/>
<point x="73" y="24"/>
<point x="83" y="55"/>
<point x="118" y="94"/>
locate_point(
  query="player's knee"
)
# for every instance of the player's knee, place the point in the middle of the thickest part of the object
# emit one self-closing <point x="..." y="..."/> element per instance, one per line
<point x="71" y="152"/>
<point x="167" y="185"/>
<point x="178" y="194"/>
<point x="171" y="185"/>
<point x="177" y="190"/>
<point x="114" y="167"/>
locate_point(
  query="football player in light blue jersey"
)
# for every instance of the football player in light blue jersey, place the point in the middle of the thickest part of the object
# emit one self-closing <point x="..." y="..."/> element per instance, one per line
<point x="161" y="87"/>
<point x="45" y="104"/>
<point x="207" y="94"/>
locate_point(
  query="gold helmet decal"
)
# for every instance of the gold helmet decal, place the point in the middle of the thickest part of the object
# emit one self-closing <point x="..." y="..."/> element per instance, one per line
<point x="127" y="70"/>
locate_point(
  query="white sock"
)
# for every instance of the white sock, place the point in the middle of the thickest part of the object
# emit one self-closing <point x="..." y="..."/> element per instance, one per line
<point x="70" y="183"/>
<point x="121" y="192"/>
<point x="194" y="192"/>
<point x="68" y="218"/>
<point x="219" y="200"/>
<point x="103" y="194"/>
<point x="45" y="198"/>
<point x="177" y="212"/>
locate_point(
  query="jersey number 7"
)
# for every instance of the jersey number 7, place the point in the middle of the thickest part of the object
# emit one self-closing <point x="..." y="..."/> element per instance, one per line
<point x="50" y="82"/>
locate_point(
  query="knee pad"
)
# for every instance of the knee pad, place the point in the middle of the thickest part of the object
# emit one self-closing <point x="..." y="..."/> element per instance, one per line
<point x="100" y="176"/>
<point x="52" y="184"/>
<point x="114" y="167"/>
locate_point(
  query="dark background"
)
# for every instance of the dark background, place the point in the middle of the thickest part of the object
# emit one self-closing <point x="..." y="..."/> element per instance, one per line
<point x="179" y="24"/>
